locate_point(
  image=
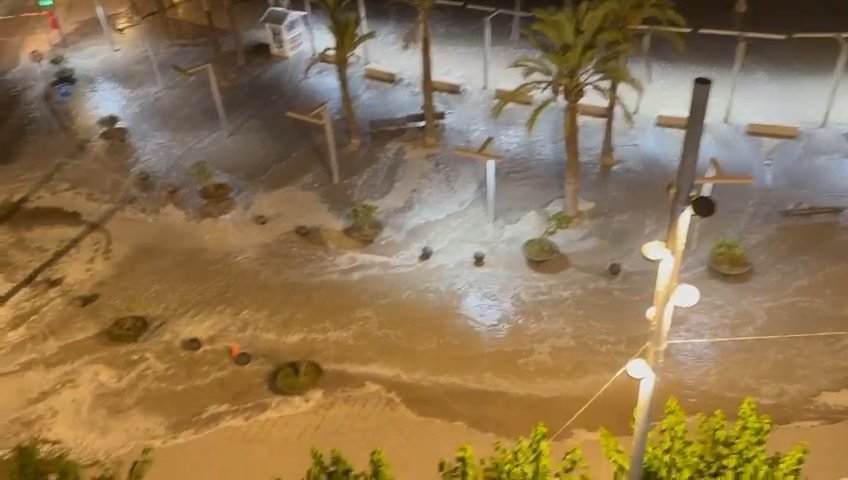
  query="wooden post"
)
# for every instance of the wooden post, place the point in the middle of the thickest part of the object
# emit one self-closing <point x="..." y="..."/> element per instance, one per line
<point x="838" y="71"/>
<point x="713" y="176"/>
<point x="216" y="96"/>
<point x="154" y="64"/>
<point x="310" y="32"/>
<point x="487" y="47"/>
<point x="363" y="28"/>
<point x="739" y="57"/>
<point x="104" y="24"/>
<point x="482" y="153"/>
<point x="321" y="116"/>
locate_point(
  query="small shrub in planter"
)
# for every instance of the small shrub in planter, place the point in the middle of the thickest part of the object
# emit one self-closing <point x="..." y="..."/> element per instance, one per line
<point x="210" y="190"/>
<point x="295" y="378"/>
<point x="364" y="227"/>
<point x="728" y="257"/>
<point x="64" y="75"/>
<point x="127" y="329"/>
<point x="541" y="249"/>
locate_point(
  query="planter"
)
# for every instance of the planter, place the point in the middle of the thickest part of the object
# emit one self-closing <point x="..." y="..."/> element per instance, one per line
<point x="540" y="250"/>
<point x="215" y="192"/>
<point x="114" y="134"/>
<point x="295" y="378"/>
<point x="366" y="232"/>
<point x="728" y="269"/>
<point x="127" y="329"/>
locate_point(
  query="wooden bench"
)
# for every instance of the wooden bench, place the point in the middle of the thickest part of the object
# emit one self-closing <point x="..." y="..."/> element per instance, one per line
<point x="415" y="120"/>
<point x="772" y="131"/>
<point x="510" y="95"/>
<point x="588" y="110"/>
<point x="380" y="73"/>
<point x="672" y="121"/>
<point x="446" y="86"/>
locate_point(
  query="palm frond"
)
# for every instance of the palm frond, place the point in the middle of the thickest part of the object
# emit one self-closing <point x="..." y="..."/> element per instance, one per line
<point x="526" y="87"/>
<point x="534" y="116"/>
<point x="315" y="61"/>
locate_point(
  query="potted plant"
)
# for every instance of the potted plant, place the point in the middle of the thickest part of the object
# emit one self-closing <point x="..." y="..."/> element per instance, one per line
<point x="541" y="249"/>
<point x="210" y="190"/>
<point x="364" y="227"/>
<point x="728" y="257"/>
<point x="295" y="378"/>
<point x="127" y="329"/>
<point x="110" y="129"/>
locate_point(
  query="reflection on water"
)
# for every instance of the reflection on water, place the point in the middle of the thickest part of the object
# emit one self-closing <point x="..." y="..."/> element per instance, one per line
<point x="486" y="313"/>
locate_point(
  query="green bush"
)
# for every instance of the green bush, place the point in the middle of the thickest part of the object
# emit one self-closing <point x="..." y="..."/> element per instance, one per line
<point x="729" y="252"/>
<point x="556" y="222"/>
<point x="717" y="449"/>
<point x="32" y="461"/>
<point x="363" y="214"/>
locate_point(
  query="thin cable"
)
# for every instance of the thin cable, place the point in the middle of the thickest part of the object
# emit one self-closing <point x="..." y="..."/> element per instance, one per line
<point x="760" y="337"/>
<point x="597" y="394"/>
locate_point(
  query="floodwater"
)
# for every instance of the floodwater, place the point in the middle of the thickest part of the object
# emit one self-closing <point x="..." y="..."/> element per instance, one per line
<point x="497" y="347"/>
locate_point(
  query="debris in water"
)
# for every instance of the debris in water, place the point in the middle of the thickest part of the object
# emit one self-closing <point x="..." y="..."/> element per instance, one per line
<point x="426" y="253"/>
<point x="479" y="258"/>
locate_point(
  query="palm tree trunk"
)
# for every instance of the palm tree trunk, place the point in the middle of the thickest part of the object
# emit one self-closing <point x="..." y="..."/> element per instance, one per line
<point x="347" y="103"/>
<point x="607" y="153"/>
<point x="162" y="13"/>
<point x="571" y="197"/>
<point x="427" y="79"/>
<point x="231" y="13"/>
<point x="210" y="27"/>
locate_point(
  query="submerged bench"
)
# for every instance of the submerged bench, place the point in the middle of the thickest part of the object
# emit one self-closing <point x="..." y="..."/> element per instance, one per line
<point x="589" y="110"/>
<point x="380" y="73"/>
<point x="510" y="95"/>
<point x="672" y="121"/>
<point x="446" y="86"/>
<point x="772" y="131"/>
<point x="415" y="120"/>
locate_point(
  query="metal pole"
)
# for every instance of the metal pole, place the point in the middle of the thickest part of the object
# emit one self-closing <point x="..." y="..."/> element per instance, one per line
<point x="490" y="190"/>
<point x="838" y="71"/>
<point x="516" y="23"/>
<point x="646" y="50"/>
<point x="669" y="268"/>
<point x="741" y="48"/>
<point x="216" y="96"/>
<point x="153" y="62"/>
<point x="363" y="28"/>
<point x="487" y="48"/>
<point x="307" y="7"/>
<point x="331" y="142"/>
<point x="640" y="434"/>
<point x="104" y="23"/>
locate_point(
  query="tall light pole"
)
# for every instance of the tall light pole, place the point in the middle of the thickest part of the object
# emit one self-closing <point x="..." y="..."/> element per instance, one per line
<point x="667" y="292"/>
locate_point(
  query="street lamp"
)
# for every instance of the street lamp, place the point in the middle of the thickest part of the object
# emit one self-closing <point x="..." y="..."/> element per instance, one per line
<point x="639" y="369"/>
<point x="668" y="293"/>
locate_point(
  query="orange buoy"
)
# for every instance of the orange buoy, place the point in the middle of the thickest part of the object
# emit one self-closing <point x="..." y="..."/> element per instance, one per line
<point x="234" y="350"/>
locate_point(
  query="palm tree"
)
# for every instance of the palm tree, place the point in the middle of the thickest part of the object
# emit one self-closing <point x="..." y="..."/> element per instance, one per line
<point x="422" y="31"/>
<point x="231" y="13"/>
<point x="344" y="25"/>
<point x="630" y="13"/>
<point x="578" y="51"/>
